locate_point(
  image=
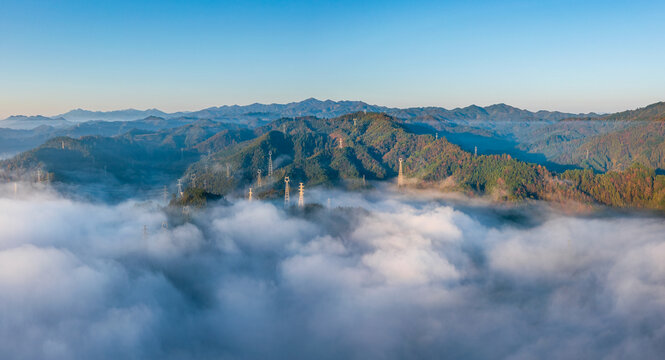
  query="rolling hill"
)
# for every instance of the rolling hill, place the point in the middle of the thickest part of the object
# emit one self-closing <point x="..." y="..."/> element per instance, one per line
<point x="307" y="149"/>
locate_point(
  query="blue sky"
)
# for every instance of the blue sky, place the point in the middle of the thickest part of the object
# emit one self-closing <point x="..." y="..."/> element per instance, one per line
<point x="566" y="55"/>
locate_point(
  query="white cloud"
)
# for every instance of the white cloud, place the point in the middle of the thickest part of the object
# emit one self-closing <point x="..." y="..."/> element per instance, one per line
<point x="404" y="278"/>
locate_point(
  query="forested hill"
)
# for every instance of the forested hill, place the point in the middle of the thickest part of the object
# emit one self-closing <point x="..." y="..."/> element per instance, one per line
<point x="642" y="143"/>
<point x="137" y="157"/>
<point x="349" y="151"/>
<point x="308" y="150"/>
<point x="641" y="140"/>
<point x="653" y="112"/>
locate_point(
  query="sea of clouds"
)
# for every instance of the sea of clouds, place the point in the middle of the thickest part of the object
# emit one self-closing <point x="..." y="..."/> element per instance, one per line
<point x="384" y="276"/>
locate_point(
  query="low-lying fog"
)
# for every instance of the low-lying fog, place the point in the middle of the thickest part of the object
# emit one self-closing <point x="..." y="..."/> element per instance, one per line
<point x="388" y="276"/>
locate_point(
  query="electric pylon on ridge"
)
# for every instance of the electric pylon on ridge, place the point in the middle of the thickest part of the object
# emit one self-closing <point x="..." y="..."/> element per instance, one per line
<point x="258" y="178"/>
<point x="286" y="192"/>
<point x="250" y="195"/>
<point x="301" y="195"/>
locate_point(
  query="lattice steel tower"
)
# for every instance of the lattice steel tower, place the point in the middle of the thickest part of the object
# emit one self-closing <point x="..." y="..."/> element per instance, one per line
<point x="270" y="164"/>
<point x="286" y="192"/>
<point x="301" y="195"/>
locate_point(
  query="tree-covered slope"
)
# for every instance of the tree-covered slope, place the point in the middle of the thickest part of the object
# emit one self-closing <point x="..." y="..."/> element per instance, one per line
<point x="93" y="159"/>
<point x="307" y="150"/>
<point x="637" y="186"/>
<point x="642" y="143"/>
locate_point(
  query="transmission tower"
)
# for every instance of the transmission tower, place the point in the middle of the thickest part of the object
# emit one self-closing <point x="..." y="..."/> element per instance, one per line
<point x="270" y="164"/>
<point x="341" y="143"/>
<point x="286" y="192"/>
<point x="301" y="196"/>
<point x="475" y="151"/>
<point x="400" y="174"/>
<point x="39" y="175"/>
<point x="258" y="179"/>
<point x="250" y="195"/>
<point x="62" y="144"/>
<point x="180" y="187"/>
<point x="364" y="183"/>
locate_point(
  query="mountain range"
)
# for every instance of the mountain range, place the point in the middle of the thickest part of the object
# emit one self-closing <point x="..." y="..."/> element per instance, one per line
<point x="557" y="140"/>
<point x="22" y="122"/>
<point x="314" y="107"/>
<point x="348" y="151"/>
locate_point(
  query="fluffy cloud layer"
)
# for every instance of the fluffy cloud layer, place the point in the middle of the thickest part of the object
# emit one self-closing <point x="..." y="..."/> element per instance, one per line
<point x="387" y="277"/>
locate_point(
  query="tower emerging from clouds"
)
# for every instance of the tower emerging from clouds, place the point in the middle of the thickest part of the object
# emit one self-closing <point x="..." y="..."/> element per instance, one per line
<point x="286" y="192"/>
<point x="301" y="195"/>
<point x="400" y="174"/>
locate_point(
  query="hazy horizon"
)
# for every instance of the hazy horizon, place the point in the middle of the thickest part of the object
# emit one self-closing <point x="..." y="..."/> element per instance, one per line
<point x="298" y="101"/>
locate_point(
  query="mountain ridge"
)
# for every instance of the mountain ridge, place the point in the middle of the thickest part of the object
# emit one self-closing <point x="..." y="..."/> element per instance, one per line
<point x="329" y="109"/>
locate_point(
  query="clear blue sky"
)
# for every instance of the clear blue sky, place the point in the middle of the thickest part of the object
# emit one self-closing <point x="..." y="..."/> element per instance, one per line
<point x="566" y="55"/>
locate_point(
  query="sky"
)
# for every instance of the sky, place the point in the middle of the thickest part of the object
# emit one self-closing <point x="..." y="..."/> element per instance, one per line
<point x="574" y="56"/>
